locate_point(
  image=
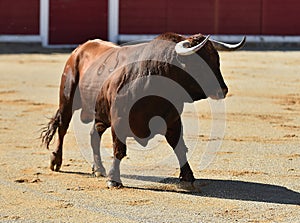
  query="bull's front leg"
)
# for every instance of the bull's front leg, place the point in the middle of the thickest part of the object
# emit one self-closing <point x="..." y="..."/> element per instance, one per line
<point x="96" y="133"/>
<point x="174" y="137"/>
<point x="119" y="147"/>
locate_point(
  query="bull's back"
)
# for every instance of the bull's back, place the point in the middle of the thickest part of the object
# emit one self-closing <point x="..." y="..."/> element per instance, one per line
<point x="81" y="70"/>
<point x="92" y="57"/>
<point x="89" y="52"/>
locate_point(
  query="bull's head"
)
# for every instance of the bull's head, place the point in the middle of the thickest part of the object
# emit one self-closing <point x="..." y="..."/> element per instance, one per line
<point x="200" y="59"/>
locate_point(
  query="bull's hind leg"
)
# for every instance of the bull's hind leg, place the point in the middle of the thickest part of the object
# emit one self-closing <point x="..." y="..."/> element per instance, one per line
<point x="175" y="139"/>
<point x="65" y="115"/>
<point x="96" y="133"/>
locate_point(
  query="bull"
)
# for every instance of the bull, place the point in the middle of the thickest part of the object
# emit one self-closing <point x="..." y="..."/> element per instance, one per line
<point x="120" y="87"/>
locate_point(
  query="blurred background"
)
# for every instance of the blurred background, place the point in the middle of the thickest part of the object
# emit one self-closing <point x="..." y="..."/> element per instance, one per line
<point x="66" y="23"/>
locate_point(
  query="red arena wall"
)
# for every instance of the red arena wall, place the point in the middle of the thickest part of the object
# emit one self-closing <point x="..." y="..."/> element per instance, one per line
<point x="281" y="17"/>
<point x="19" y="17"/>
<point x="252" y="17"/>
<point x="73" y="22"/>
<point x="157" y="16"/>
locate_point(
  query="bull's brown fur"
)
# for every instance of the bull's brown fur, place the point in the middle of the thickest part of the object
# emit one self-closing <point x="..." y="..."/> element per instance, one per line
<point x="154" y="58"/>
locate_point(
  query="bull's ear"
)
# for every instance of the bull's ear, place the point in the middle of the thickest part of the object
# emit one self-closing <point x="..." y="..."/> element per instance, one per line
<point x="228" y="47"/>
<point x="183" y="48"/>
<point x="186" y="44"/>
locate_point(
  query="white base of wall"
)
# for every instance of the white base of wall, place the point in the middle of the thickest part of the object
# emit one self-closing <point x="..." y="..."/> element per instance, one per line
<point x="62" y="46"/>
<point x="30" y="39"/>
<point x="21" y="38"/>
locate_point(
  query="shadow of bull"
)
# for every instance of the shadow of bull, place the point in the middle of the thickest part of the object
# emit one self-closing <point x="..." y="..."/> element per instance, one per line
<point x="227" y="189"/>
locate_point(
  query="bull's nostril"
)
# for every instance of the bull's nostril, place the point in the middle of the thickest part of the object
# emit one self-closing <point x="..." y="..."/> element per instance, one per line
<point x="222" y="93"/>
<point x="225" y="91"/>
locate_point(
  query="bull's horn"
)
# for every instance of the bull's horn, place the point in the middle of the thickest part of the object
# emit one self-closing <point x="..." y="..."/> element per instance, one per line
<point x="181" y="48"/>
<point x="228" y="47"/>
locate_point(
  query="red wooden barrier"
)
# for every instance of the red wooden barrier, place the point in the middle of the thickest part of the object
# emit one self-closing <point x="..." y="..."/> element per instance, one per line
<point x="281" y="17"/>
<point x="191" y="16"/>
<point x="19" y="17"/>
<point x="143" y="17"/>
<point x="252" y="17"/>
<point x="239" y="17"/>
<point x="73" y="22"/>
<point x="157" y="16"/>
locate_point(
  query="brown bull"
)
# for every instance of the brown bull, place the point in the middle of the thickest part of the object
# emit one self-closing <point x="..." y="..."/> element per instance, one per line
<point x="124" y="87"/>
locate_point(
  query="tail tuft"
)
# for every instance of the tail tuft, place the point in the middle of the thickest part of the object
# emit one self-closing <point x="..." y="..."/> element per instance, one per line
<point x="49" y="131"/>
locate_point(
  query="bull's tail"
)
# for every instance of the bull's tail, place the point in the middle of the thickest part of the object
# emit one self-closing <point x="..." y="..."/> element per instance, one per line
<point x="49" y="131"/>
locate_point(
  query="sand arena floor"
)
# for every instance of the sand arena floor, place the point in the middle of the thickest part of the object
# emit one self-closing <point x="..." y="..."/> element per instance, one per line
<point x="254" y="176"/>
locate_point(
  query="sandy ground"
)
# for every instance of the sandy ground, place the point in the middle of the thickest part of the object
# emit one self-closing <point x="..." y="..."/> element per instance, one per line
<point x="254" y="177"/>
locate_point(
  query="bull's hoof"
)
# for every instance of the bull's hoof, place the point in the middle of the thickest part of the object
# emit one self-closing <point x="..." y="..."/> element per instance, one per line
<point x="55" y="167"/>
<point x="100" y="172"/>
<point x="111" y="184"/>
<point x="187" y="177"/>
<point x="55" y="162"/>
<point x="186" y="185"/>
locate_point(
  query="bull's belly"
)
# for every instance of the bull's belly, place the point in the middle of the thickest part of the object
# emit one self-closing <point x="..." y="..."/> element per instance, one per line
<point x="150" y="116"/>
<point x="145" y="129"/>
